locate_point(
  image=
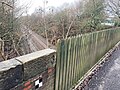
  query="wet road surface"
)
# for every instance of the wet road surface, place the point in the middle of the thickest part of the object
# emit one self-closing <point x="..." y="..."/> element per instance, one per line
<point x="108" y="77"/>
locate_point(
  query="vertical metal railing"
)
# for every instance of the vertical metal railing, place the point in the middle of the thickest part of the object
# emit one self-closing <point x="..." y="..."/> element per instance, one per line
<point x="76" y="55"/>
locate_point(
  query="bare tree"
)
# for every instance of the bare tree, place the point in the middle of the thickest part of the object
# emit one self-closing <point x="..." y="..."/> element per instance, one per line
<point x="114" y="7"/>
<point x="9" y="28"/>
<point x="67" y="20"/>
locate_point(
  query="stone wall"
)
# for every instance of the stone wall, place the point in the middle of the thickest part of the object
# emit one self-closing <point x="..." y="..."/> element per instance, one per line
<point x="34" y="71"/>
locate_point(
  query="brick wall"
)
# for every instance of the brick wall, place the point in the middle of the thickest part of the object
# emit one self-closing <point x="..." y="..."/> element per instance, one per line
<point x="34" y="71"/>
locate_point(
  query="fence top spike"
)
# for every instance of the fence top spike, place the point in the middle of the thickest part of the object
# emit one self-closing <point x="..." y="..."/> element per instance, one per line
<point x="80" y="35"/>
<point x="58" y="40"/>
<point x="69" y="38"/>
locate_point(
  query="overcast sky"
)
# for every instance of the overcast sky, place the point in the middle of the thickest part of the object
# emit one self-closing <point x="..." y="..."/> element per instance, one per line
<point x="36" y="3"/>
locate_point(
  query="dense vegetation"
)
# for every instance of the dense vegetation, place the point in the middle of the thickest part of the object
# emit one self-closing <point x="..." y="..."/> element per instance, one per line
<point x="9" y="29"/>
<point x="68" y="20"/>
<point x="80" y="17"/>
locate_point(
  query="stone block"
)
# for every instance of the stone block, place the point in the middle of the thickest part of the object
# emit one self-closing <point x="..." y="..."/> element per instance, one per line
<point x="10" y="74"/>
<point x="36" y="63"/>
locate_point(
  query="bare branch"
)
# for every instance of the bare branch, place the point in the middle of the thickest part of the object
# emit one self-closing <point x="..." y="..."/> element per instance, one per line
<point x="69" y="29"/>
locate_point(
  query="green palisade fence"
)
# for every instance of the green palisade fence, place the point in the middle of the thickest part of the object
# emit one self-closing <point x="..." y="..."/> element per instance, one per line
<point x="76" y="55"/>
